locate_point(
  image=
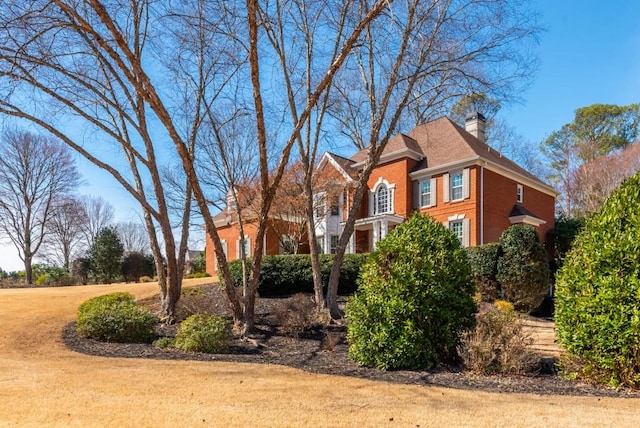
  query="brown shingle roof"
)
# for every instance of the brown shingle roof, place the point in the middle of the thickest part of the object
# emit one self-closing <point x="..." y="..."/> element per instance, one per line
<point x="443" y="142"/>
<point x="397" y="143"/>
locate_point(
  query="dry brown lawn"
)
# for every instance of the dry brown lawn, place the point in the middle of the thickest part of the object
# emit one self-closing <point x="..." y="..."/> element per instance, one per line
<point x="44" y="384"/>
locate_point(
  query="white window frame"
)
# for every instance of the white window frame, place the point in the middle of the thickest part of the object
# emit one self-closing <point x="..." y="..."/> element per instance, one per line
<point x="448" y="187"/>
<point x="432" y="193"/>
<point x="247" y="244"/>
<point x="224" y="250"/>
<point x="390" y="192"/>
<point x="320" y="243"/>
<point x="519" y="193"/>
<point x="466" y="228"/>
<point x="333" y="245"/>
<point x="319" y="205"/>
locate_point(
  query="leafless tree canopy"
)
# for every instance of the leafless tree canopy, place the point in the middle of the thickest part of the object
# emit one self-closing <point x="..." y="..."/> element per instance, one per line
<point x="34" y="171"/>
<point x="65" y="237"/>
<point x="144" y="77"/>
<point x="134" y="237"/>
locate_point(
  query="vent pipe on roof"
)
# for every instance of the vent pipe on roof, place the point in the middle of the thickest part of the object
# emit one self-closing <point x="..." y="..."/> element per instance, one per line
<point x="474" y="124"/>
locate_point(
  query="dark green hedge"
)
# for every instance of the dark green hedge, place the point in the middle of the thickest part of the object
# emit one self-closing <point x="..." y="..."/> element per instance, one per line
<point x="484" y="268"/>
<point x="290" y="274"/>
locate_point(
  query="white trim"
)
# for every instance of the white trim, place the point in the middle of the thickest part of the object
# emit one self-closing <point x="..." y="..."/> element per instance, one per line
<point x="527" y="219"/>
<point x="480" y="161"/>
<point x="456" y="217"/>
<point x="432" y="193"/>
<point x="391" y="194"/>
<point x="519" y="193"/>
<point x="327" y="157"/>
<point x="482" y="205"/>
<point x="223" y="243"/>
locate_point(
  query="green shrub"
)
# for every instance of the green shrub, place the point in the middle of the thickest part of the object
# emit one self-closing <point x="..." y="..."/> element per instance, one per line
<point x="115" y="317"/>
<point x="414" y="299"/>
<point x="287" y="275"/>
<point x="484" y="268"/>
<point x="523" y="268"/>
<point x="204" y="333"/>
<point x="198" y="275"/>
<point x="498" y="344"/>
<point x="598" y="292"/>
<point x="165" y="342"/>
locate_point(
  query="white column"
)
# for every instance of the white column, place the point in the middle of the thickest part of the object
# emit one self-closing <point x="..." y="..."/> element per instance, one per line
<point x="351" y="247"/>
<point x="376" y="234"/>
<point x="384" y="228"/>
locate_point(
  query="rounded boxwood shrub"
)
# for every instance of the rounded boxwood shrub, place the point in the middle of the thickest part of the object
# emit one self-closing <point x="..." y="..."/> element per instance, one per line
<point x="115" y="317"/>
<point x="415" y="298"/>
<point x="598" y="292"/>
<point x="523" y="268"/>
<point x="204" y="333"/>
<point x="484" y="268"/>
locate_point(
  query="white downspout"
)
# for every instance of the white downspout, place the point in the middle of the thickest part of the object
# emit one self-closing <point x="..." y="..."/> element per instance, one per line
<point x="482" y="204"/>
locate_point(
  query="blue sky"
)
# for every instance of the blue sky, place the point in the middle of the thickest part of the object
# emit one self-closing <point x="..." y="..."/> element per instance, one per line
<point x="589" y="53"/>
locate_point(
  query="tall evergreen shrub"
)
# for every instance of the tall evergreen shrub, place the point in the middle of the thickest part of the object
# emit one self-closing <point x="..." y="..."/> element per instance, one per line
<point x="415" y="298"/>
<point x="598" y="292"/>
<point x="523" y="268"/>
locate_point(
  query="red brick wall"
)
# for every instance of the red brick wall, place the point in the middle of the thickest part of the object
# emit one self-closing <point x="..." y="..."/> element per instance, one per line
<point x="231" y="234"/>
<point x="395" y="172"/>
<point x="500" y="197"/>
<point x="468" y="207"/>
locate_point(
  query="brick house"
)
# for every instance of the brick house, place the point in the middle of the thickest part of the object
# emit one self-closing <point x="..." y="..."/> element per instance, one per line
<point x="440" y="169"/>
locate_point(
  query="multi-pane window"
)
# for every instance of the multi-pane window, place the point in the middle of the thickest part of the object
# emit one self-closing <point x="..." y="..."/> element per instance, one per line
<point x="425" y="193"/>
<point x="318" y="205"/>
<point x="320" y="244"/>
<point x="457" y="228"/>
<point x="333" y="243"/>
<point x="519" y="193"/>
<point x="382" y="200"/>
<point x="335" y="206"/>
<point x="456" y="186"/>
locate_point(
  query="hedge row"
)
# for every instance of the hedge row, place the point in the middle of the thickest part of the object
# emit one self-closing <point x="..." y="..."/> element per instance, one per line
<point x="290" y="274"/>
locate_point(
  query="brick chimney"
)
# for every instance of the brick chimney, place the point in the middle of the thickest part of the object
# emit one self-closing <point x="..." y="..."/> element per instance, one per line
<point x="474" y="124"/>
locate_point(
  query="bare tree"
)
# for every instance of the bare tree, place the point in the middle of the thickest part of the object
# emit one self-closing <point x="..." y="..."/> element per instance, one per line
<point x="99" y="214"/>
<point x="89" y="61"/>
<point x="134" y="237"/>
<point x="34" y="171"/>
<point x="595" y="180"/>
<point x="64" y="240"/>
<point x="416" y="59"/>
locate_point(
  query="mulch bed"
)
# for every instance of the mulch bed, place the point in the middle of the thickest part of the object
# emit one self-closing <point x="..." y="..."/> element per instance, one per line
<point x="322" y="351"/>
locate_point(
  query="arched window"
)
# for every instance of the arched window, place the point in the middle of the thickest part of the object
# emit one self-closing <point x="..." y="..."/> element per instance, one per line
<point x="382" y="199"/>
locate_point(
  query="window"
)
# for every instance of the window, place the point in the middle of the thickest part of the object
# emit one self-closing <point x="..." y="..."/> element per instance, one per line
<point x="456" y="186"/>
<point x="425" y="194"/>
<point x="519" y="193"/>
<point x="320" y="244"/>
<point x="457" y="228"/>
<point x="246" y="245"/>
<point x="335" y="206"/>
<point x="287" y="245"/>
<point x="333" y="244"/>
<point x="224" y="250"/>
<point x="382" y="200"/>
<point x="318" y="205"/>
